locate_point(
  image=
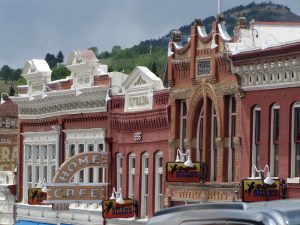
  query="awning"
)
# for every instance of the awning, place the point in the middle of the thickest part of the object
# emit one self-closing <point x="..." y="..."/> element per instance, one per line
<point x="27" y="222"/>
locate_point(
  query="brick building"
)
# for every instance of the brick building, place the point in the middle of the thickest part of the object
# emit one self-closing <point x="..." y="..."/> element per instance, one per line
<point x="205" y="114"/>
<point x="57" y="120"/>
<point x="140" y="133"/>
<point x="268" y="68"/>
<point x="8" y="158"/>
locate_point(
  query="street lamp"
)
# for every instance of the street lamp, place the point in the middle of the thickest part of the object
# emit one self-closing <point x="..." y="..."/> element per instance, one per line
<point x="117" y="195"/>
<point x="213" y="43"/>
<point x="268" y="180"/>
<point x="2" y="100"/>
<point x="188" y="162"/>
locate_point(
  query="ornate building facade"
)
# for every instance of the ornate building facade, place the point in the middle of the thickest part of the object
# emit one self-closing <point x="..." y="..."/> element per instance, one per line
<point x="268" y="71"/>
<point x="139" y="131"/>
<point x="205" y="114"/>
<point x="8" y="158"/>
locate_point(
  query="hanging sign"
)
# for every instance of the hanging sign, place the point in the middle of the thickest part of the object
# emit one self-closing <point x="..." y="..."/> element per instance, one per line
<point x="111" y="209"/>
<point x="178" y="172"/>
<point x="255" y="190"/>
<point x="36" y="196"/>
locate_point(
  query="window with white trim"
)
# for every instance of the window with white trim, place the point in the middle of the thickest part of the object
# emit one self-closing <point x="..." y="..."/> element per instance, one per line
<point x="213" y="148"/>
<point x="158" y="180"/>
<point x="40" y="165"/>
<point x="119" y="169"/>
<point x="231" y="134"/>
<point x="256" y="132"/>
<point x="183" y="114"/>
<point x="145" y="185"/>
<point x="83" y="141"/>
<point x="131" y="175"/>
<point x="274" y="142"/>
<point x="199" y="140"/>
<point x="295" y="141"/>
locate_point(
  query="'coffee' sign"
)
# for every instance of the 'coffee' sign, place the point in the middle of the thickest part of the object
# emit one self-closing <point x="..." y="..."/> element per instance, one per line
<point x="178" y="172"/>
<point x="111" y="209"/>
<point x="255" y="190"/>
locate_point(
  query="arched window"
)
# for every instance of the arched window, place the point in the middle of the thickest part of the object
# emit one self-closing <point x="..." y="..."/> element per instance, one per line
<point x="119" y="169"/>
<point x="183" y="113"/>
<point x="131" y="175"/>
<point x="256" y="136"/>
<point x="145" y="185"/>
<point x="199" y="145"/>
<point x="295" y="141"/>
<point x="231" y="132"/>
<point x="158" y="180"/>
<point x="213" y="146"/>
<point x="274" y="142"/>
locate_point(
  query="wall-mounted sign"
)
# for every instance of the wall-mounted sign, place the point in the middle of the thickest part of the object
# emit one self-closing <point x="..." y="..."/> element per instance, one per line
<point x="111" y="209"/>
<point x="255" y="190"/>
<point x="178" y="172"/>
<point x="80" y="192"/>
<point x="36" y="196"/>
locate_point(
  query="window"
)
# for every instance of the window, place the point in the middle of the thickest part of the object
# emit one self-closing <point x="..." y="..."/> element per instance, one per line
<point x="145" y="183"/>
<point x="274" y="147"/>
<point x="203" y="67"/>
<point x="199" y="146"/>
<point x="182" y="122"/>
<point x="256" y="136"/>
<point x="119" y="169"/>
<point x="231" y="150"/>
<point x="213" y="149"/>
<point x="295" y="151"/>
<point x="158" y="180"/>
<point x="131" y="175"/>
<point x="71" y="150"/>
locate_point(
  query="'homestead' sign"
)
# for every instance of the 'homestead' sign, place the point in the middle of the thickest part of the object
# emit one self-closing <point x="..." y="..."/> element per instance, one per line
<point x="63" y="191"/>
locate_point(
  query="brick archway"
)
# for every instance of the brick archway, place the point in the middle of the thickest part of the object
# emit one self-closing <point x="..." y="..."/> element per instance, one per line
<point x="204" y="91"/>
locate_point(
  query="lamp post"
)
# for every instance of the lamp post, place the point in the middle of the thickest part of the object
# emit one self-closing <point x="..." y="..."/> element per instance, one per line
<point x="2" y="99"/>
<point x="188" y="162"/>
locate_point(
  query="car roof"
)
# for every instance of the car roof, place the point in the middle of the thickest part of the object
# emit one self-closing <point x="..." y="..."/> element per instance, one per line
<point x="272" y="212"/>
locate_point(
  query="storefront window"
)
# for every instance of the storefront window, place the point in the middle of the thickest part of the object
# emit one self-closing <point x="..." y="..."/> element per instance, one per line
<point x="158" y="180"/>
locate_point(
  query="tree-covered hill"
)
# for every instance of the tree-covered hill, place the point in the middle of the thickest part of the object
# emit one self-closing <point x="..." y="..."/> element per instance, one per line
<point x="153" y="53"/>
<point x="127" y="59"/>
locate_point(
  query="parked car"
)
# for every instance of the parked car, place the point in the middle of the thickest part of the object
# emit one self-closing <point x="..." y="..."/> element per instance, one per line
<point x="260" y="213"/>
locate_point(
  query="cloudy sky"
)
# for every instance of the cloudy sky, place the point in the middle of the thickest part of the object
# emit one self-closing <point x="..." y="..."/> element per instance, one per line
<point x="31" y="28"/>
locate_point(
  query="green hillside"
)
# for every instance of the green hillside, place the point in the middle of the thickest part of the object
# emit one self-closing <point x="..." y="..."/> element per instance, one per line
<point x="126" y="59"/>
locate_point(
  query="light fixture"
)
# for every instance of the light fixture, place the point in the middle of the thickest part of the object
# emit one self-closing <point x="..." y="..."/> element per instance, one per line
<point x="107" y="98"/>
<point x="2" y="99"/>
<point x="44" y="189"/>
<point x="39" y="184"/>
<point x="213" y="43"/>
<point x="30" y="97"/>
<point x="117" y="195"/>
<point x="178" y="154"/>
<point x="77" y="92"/>
<point x="268" y="180"/>
<point x="188" y="162"/>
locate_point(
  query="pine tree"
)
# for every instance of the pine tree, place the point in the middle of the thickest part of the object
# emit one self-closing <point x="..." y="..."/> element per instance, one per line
<point x="60" y="57"/>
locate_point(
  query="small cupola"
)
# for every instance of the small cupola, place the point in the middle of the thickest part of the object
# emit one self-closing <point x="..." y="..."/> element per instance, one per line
<point x="37" y="74"/>
<point x="84" y="65"/>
